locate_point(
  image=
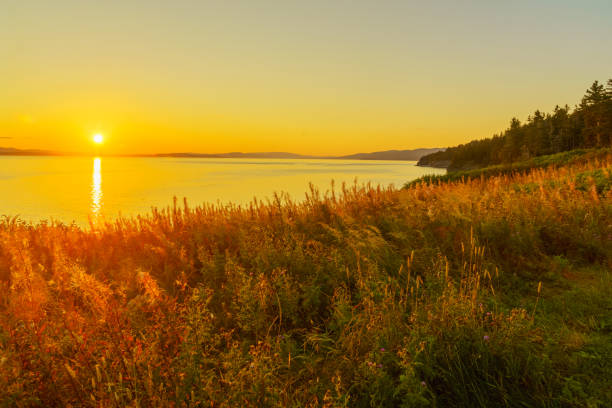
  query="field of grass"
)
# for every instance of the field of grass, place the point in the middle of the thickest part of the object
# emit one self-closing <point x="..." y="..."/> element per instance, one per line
<point x="479" y="292"/>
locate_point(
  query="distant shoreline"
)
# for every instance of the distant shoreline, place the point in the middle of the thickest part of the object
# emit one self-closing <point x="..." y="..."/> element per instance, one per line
<point x="391" y="155"/>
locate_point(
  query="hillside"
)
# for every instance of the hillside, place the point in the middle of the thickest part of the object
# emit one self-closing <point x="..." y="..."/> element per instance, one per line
<point x="587" y="126"/>
<point x="558" y="160"/>
<point x="414" y="155"/>
<point x="482" y="292"/>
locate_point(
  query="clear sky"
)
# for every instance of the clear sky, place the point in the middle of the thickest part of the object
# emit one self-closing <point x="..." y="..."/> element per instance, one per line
<point x="313" y="77"/>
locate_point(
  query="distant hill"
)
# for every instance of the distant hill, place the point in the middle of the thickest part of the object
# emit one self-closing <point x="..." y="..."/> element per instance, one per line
<point x="239" y="155"/>
<point x="412" y="155"/>
<point x="10" y="151"/>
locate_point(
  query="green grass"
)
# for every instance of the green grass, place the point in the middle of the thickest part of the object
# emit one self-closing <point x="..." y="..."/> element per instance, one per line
<point x="557" y="160"/>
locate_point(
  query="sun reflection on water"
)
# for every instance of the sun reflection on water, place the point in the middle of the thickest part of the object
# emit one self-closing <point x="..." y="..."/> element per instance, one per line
<point x="96" y="188"/>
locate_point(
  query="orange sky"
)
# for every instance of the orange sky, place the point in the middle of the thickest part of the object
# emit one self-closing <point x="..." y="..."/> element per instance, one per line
<point x="311" y="77"/>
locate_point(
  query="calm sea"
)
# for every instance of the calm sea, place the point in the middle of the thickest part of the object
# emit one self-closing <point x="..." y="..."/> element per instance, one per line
<point x="75" y="189"/>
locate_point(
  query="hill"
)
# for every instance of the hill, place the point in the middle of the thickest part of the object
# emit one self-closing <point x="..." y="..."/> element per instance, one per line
<point x="408" y="155"/>
<point x="412" y="155"/>
<point x="9" y="151"/>
<point x="240" y="155"/>
<point x="558" y="160"/>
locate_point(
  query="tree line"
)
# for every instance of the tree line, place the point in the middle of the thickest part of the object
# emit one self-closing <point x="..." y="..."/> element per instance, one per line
<point x="588" y="125"/>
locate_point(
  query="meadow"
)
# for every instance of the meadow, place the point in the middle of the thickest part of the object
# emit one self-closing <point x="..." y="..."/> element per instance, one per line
<point x="470" y="292"/>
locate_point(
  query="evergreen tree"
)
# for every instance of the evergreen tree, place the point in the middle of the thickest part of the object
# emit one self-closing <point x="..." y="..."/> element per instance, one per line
<point x="593" y="113"/>
<point x="588" y="125"/>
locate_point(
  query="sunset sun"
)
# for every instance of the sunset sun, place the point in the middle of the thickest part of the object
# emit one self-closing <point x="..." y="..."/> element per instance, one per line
<point x="98" y="138"/>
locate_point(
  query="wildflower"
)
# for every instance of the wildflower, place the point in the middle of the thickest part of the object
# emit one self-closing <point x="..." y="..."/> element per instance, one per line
<point x="486" y="338"/>
<point x="423" y="383"/>
<point x="379" y="365"/>
<point x="382" y="349"/>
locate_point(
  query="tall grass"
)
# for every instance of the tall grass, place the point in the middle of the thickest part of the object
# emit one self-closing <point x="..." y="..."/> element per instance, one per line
<point x="364" y="296"/>
<point x="568" y="158"/>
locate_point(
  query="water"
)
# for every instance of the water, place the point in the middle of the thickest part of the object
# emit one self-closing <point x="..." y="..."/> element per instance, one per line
<point x="75" y="189"/>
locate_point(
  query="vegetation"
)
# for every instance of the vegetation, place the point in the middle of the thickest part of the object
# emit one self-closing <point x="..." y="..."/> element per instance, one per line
<point x="588" y="126"/>
<point x="477" y="292"/>
<point x="578" y="156"/>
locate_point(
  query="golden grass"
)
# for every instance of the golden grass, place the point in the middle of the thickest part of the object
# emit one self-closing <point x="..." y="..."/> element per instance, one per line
<point x="366" y="296"/>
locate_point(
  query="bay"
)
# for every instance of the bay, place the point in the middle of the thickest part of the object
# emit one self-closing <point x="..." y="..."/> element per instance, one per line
<point x="77" y="189"/>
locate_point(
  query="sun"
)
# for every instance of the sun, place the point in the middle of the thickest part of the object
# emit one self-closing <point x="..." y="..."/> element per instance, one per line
<point x="98" y="138"/>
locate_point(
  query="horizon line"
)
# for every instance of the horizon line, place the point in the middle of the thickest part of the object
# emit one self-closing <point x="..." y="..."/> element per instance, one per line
<point x="12" y="151"/>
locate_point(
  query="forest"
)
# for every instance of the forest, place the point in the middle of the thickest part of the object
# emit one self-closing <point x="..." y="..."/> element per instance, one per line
<point x="588" y="125"/>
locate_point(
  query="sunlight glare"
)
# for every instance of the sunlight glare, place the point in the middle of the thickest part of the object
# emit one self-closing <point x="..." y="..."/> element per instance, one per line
<point x="96" y="188"/>
<point x="98" y="138"/>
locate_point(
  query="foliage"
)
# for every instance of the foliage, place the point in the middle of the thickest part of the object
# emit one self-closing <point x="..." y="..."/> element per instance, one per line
<point x="480" y="292"/>
<point x="578" y="156"/>
<point x="589" y="125"/>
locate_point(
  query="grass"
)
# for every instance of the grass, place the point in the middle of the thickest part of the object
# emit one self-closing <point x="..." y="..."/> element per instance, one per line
<point x="485" y="291"/>
<point x="567" y="158"/>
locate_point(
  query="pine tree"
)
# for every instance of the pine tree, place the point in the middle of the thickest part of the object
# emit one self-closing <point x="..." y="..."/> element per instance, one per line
<point x="588" y="125"/>
<point x="593" y="111"/>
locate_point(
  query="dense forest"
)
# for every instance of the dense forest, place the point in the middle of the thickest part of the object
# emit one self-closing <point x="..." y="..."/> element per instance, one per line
<point x="588" y="125"/>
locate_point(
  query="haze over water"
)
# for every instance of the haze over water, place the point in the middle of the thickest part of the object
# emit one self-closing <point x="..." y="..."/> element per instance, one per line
<point x="76" y="189"/>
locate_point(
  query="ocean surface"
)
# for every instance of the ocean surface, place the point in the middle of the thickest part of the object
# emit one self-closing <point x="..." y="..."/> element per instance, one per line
<point x="80" y="189"/>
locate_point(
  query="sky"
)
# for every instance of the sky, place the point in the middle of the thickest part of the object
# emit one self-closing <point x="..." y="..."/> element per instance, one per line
<point x="311" y="77"/>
